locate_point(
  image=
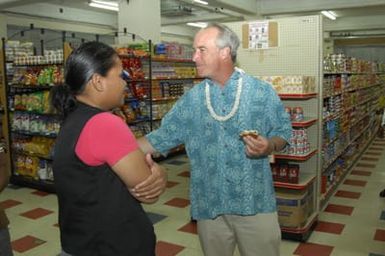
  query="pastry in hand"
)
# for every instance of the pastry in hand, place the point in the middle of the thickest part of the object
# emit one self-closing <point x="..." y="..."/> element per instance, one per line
<point x="253" y="133"/>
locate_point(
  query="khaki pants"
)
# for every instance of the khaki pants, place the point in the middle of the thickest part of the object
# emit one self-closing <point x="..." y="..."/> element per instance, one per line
<point x="254" y="235"/>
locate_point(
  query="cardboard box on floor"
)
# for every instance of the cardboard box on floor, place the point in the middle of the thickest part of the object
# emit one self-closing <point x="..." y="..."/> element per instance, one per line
<point x="292" y="207"/>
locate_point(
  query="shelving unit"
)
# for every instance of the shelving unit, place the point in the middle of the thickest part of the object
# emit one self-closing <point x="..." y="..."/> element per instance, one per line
<point x="137" y="110"/>
<point x="155" y="84"/>
<point x="151" y="92"/>
<point x="349" y="120"/>
<point x="304" y="96"/>
<point x="4" y="141"/>
<point x="31" y="124"/>
<point x="298" y="157"/>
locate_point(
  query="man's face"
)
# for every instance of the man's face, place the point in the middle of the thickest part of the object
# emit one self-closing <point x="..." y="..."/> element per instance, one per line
<point x="206" y="53"/>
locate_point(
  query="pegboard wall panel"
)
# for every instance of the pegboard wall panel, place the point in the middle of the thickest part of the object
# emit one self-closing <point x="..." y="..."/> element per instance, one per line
<point x="298" y="51"/>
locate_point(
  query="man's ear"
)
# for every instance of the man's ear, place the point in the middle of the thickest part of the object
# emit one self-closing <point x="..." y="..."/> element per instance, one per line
<point x="225" y="53"/>
<point x="97" y="82"/>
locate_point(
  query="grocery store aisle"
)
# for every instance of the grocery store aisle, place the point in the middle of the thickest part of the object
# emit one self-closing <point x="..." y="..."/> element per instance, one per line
<point x="352" y="223"/>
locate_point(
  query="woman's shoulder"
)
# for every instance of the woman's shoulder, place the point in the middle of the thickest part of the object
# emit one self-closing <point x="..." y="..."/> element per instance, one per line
<point x="105" y="120"/>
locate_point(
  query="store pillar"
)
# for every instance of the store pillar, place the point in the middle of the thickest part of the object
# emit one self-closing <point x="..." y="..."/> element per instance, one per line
<point x="141" y="18"/>
<point x="3" y="26"/>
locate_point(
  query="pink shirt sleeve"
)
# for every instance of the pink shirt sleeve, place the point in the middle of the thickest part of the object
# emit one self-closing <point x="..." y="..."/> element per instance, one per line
<point x="105" y="139"/>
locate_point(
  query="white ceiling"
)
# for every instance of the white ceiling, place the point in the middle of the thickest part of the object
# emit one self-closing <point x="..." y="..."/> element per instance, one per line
<point x="353" y="15"/>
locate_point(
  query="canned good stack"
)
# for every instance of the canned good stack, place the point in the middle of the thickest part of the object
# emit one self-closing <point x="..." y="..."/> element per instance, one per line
<point x="299" y="142"/>
<point x="337" y="63"/>
<point x="50" y="57"/>
<point x="332" y="106"/>
<point x="295" y="113"/>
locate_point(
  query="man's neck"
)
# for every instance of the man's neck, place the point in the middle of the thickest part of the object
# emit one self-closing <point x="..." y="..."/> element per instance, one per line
<point x="223" y="77"/>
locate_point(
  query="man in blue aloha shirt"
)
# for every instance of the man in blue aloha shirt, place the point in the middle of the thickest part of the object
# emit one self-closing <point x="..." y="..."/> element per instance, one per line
<point x="231" y="190"/>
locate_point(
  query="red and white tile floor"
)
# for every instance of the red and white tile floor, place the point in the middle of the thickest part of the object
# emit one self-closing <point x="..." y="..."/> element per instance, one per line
<point x="351" y="224"/>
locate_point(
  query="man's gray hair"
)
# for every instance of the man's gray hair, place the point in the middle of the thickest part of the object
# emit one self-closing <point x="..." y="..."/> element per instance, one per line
<point x="226" y="38"/>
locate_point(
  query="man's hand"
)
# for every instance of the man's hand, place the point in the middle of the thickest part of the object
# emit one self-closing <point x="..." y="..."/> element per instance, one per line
<point x="154" y="185"/>
<point x="258" y="146"/>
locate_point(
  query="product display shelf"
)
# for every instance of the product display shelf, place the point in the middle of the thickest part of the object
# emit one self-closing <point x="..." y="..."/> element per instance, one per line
<point x="28" y="133"/>
<point x="170" y="59"/>
<point x="307" y="122"/>
<point x="325" y="196"/>
<point x="331" y="117"/>
<point x="171" y="77"/>
<point x="358" y="130"/>
<point x="37" y="64"/>
<point x="297" y="96"/>
<point x="136" y="112"/>
<point x="33" y="154"/>
<point x="154" y="84"/>
<point x="143" y="56"/>
<point x="305" y="180"/>
<point x="144" y="80"/>
<point x="339" y="153"/>
<point x="30" y="87"/>
<point x="164" y="98"/>
<point x="32" y="112"/>
<point x="302" y="157"/>
<point x="176" y="78"/>
<point x="137" y="121"/>
<point x="4" y="133"/>
<point x="30" y="182"/>
<point x="351" y="125"/>
<point x="303" y="233"/>
<point x="29" y="79"/>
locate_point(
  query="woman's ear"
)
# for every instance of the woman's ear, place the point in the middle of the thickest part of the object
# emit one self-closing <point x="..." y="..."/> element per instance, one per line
<point x="97" y="82"/>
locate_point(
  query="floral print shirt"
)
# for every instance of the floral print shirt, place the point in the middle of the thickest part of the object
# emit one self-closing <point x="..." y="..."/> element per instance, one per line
<point x="223" y="179"/>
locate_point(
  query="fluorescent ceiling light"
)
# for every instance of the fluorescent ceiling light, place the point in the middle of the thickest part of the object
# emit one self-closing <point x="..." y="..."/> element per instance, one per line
<point x="331" y="15"/>
<point x="104" y="5"/>
<point x="201" y="2"/>
<point x="197" y="24"/>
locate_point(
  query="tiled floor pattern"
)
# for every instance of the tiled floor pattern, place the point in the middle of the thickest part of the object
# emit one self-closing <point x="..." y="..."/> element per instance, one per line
<point x="351" y="224"/>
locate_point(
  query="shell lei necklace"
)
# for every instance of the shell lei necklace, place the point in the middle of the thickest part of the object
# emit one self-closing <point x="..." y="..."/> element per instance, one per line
<point x="236" y="102"/>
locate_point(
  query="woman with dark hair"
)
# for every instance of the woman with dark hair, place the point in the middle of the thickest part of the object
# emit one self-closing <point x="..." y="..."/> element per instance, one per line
<point x="98" y="164"/>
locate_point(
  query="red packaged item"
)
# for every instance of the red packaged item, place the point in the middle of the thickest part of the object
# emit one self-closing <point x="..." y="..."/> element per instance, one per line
<point x="293" y="173"/>
<point x="283" y="173"/>
<point x="275" y="171"/>
<point x="324" y="180"/>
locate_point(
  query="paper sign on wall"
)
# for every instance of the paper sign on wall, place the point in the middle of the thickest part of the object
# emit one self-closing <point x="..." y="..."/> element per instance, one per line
<point x="260" y="35"/>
